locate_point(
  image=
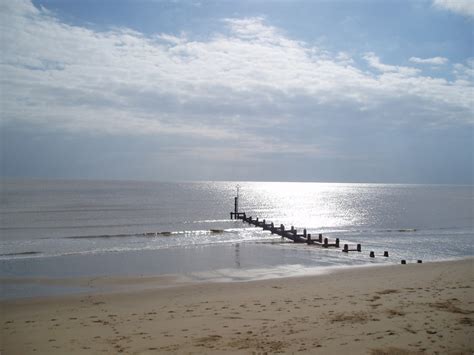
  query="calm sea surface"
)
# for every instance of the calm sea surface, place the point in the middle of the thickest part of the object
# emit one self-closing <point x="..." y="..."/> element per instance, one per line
<point x="63" y="229"/>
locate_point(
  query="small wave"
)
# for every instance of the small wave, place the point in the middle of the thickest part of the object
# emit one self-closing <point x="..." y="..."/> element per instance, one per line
<point x="76" y="227"/>
<point x="22" y="253"/>
<point x="175" y="233"/>
<point x="118" y="249"/>
<point x="104" y="236"/>
<point x="211" y="221"/>
<point x="75" y="210"/>
<point x="154" y="234"/>
<point x="163" y="234"/>
<point x="403" y="230"/>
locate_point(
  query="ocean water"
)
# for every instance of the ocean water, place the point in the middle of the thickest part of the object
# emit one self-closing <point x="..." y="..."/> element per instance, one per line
<point x="63" y="229"/>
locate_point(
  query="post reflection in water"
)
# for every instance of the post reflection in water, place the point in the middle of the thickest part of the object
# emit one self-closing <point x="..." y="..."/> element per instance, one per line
<point x="237" y="255"/>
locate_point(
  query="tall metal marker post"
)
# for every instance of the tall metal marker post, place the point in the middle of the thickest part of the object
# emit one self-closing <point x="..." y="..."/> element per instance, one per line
<point x="236" y="214"/>
<point x="236" y="201"/>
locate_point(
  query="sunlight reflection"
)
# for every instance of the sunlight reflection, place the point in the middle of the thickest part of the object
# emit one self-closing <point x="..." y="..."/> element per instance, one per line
<point x="305" y="205"/>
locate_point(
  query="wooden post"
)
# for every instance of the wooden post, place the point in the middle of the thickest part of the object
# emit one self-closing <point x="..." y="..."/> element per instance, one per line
<point x="308" y="239"/>
<point x="404" y="262"/>
<point x="372" y="254"/>
<point x="304" y="233"/>
<point x="420" y="261"/>
<point x="325" y="242"/>
<point x="385" y="253"/>
<point x="346" y="248"/>
<point x="359" y="248"/>
<point x="320" y="238"/>
<point x="337" y="242"/>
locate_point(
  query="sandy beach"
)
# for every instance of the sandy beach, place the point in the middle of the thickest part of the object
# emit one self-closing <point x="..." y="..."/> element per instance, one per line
<point x="399" y="309"/>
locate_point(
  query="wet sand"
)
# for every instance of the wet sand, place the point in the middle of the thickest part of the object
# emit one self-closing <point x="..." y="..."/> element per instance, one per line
<point x="400" y="309"/>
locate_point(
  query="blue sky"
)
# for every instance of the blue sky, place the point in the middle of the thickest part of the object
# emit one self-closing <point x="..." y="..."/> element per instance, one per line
<point x="345" y="91"/>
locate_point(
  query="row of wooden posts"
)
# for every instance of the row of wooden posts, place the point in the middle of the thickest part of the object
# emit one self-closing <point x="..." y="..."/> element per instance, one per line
<point x="293" y="234"/>
<point x="305" y="237"/>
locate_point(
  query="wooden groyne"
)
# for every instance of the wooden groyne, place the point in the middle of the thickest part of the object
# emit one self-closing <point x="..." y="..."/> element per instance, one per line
<point x="291" y="233"/>
<point x="296" y="237"/>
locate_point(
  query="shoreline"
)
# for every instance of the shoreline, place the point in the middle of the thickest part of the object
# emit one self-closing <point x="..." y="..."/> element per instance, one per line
<point x="85" y="285"/>
<point x="412" y="308"/>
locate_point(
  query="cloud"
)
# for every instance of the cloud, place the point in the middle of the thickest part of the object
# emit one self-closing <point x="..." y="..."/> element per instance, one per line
<point x="464" y="73"/>
<point x="374" y="61"/>
<point x="248" y="85"/>
<point x="462" y="7"/>
<point x="432" y="61"/>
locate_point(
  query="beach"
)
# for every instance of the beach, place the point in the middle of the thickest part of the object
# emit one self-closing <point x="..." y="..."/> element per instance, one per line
<point x="397" y="309"/>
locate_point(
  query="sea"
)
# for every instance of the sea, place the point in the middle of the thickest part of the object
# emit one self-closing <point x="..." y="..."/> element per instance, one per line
<point x="63" y="229"/>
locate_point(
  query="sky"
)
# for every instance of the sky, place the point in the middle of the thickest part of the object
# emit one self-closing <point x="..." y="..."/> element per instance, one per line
<point x="330" y="91"/>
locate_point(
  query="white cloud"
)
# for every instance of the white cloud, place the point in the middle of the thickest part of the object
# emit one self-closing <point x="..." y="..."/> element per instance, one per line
<point x="463" y="7"/>
<point x="231" y="87"/>
<point x="464" y="72"/>
<point x="345" y="58"/>
<point x="432" y="61"/>
<point x="374" y="61"/>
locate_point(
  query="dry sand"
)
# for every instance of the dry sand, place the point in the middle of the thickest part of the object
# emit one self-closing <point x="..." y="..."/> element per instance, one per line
<point x="411" y="309"/>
